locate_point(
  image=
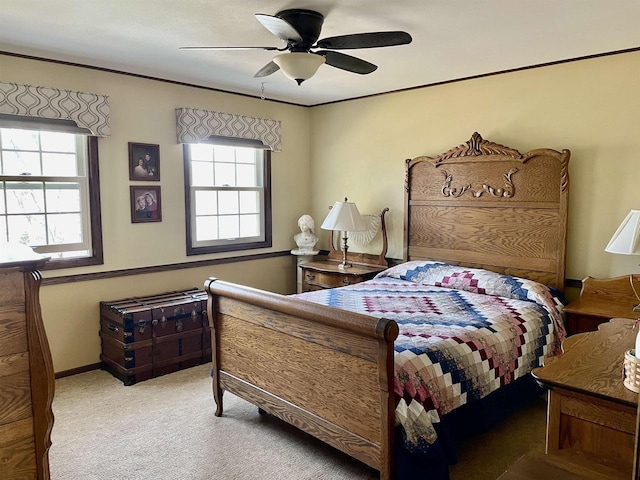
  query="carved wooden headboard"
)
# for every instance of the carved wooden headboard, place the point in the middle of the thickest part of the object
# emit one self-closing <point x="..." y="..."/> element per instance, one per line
<point x="485" y="205"/>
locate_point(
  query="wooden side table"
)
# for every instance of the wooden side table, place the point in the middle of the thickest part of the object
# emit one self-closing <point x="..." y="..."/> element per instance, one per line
<point x="600" y="300"/>
<point x="590" y="410"/>
<point x="322" y="275"/>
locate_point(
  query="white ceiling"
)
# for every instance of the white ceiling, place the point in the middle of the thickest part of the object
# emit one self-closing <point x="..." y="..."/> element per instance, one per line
<point x="452" y="39"/>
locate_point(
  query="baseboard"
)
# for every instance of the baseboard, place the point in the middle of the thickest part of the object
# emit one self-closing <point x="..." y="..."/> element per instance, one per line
<point x="75" y="371"/>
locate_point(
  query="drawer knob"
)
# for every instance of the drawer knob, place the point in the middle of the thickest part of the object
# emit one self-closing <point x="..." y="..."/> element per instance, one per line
<point x="311" y="276"/>
<point x="346" y="281"/>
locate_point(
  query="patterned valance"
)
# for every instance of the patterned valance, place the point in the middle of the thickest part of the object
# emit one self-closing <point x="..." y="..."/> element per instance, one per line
<point x="198" y="125"/>
<point x="86" y="110"/>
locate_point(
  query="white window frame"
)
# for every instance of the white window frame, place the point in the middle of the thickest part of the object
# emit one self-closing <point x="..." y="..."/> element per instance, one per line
<point x="87" y="167"/>
<point x="263" y="240"/>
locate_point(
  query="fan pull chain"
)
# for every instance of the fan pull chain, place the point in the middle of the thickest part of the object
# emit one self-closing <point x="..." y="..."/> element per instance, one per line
<point x="262" y="97"/>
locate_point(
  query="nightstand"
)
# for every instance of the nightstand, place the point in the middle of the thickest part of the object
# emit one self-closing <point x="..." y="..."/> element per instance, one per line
<point x="601" y="299"/>
<point x="321" y="275"/>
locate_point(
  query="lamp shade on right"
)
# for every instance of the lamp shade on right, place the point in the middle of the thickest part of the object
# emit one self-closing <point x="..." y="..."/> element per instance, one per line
<point x="626" y="240"/>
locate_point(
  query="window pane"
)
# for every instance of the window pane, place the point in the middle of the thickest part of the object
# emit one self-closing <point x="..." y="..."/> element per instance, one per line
<point x="247" y="176"/>
<point x="206" y="203"/>
<point x="202" y="152"/>
<point x="228" y="203"/>
<point x="20" y="139"/>
<point x="59" y="164"/>
<point x="249" y="225"/>
<point x="225" y="174"/>
<point x="202" y="174"/>
<point x="249" y="202"/>
<point x="225" y="154"/>
<point x="3" y="229"/>
<point x="63" y="197"/>
<point x="229" y="226"/>
<point x="225" y="200"/>
<point x="58" y="142"/>
<point x="18" y="163"/>
<point x="52" y="216"/>
<point x="245" y="155"/>
<point x="25" y="197"/>
<point x="64" y="228"/>
<point x="27" y="229"/>
<point x="206" y="228"/>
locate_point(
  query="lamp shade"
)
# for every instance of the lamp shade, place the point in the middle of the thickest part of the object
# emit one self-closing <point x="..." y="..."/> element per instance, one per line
<point x="626" y="240"/>
<point x="344" y="216"/>
<point x="299" y="66"/>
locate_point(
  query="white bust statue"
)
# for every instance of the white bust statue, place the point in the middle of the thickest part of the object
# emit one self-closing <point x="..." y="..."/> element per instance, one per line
<point x="305" y="240"/>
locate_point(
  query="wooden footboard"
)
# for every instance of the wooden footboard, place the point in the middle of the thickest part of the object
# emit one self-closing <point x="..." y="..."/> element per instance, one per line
<point x="326" y="371"/>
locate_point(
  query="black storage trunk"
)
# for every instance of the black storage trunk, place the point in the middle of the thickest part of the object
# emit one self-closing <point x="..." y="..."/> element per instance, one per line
<point x="144" y="337"/>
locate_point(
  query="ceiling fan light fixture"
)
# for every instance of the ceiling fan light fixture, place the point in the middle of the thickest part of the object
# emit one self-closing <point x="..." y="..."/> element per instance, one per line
<point x="299" y="66"/>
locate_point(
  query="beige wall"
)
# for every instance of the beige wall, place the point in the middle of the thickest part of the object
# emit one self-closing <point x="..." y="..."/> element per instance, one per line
<point x="590" y="107"/>
<point x="357" y="149"/>
<point x="144" y="111"/>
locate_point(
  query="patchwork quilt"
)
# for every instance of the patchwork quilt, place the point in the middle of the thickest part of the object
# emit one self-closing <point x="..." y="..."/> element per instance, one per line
<point x="463" y="333"/>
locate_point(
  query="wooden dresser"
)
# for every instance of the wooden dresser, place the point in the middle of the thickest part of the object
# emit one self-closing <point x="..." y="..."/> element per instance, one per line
<point x="26" y="368"/>
<point x="590" y="411"/>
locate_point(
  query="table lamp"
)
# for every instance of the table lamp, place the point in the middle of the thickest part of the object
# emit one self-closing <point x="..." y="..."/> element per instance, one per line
<point x="626" y="241"/>
<point x="345" y="217"/>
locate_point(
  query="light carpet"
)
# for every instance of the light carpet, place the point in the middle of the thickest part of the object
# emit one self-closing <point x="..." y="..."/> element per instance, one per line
<point x="165" y="429"/>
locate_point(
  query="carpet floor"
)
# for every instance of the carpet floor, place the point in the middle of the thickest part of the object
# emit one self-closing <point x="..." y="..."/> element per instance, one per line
<point x="165" y="429"/>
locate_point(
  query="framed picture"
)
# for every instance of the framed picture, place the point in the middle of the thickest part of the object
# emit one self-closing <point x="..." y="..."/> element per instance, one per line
<point x="144" y="161"/>
<point x="145" y="204"/>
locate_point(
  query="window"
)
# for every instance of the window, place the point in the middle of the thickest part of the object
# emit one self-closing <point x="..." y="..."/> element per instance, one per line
<point x="227" y="196"/>
<point x="49" y="196"/>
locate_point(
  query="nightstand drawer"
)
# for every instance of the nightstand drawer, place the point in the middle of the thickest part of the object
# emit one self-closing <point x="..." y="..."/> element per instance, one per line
<point x="324" y="275"/>
<point x="330" y="280"/>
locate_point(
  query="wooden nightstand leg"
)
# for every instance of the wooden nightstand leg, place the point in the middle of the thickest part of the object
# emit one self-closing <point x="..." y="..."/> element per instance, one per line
<point x="553" y="421"/>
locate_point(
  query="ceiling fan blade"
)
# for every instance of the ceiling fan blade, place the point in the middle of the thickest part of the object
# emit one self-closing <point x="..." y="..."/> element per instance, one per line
<point x="279" y="27"/>
<point x="365" y="40"/>
<point x="347" y="62"/>
<point x="228" y="48"/>
<point x="268" y="69"/>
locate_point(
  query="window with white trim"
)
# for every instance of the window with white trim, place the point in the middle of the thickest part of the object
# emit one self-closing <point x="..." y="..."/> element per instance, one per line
<point x="49" y="198"/>
<point x="227" y="196"/>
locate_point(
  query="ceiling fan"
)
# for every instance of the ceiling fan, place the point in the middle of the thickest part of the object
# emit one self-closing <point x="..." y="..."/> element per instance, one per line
<point x="300" y="29"/>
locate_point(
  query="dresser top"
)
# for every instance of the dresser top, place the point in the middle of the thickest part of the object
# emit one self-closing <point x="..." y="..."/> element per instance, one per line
<point x="593" y="363"/>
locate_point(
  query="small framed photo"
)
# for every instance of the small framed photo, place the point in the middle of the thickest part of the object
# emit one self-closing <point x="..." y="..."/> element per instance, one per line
<point x="145" y="204"/>
<point x="144" y="161"/>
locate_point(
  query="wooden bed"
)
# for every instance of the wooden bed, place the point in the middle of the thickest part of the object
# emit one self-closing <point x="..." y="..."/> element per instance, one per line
<point x="481" y="205"/>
